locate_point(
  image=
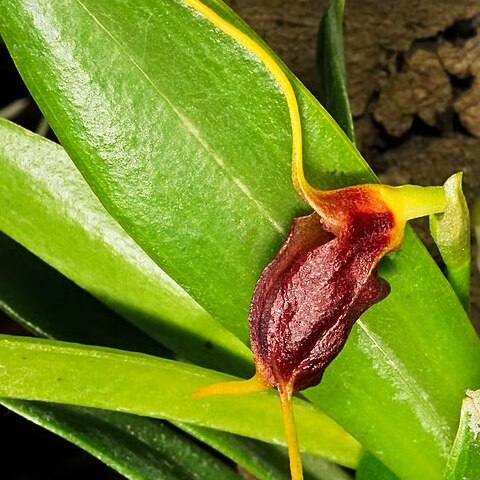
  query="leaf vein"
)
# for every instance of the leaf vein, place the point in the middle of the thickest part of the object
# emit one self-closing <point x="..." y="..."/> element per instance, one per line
<point x="191" y="128"/>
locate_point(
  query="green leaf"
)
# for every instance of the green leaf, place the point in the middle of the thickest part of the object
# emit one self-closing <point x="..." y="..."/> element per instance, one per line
<point x="331" y="67"/>
<point x="464" y="460"/>
<point x="49" y="305"/>
<point x="62" y="222"/>
<point x="370" y="468"/>
<point x="451" y="231"/>
<point x="51" y="371"/>
<point x="185" y="138"/>
<point x="41" y="163"/>
<point x="184" y="187"/>
<point x="138" y="448"/>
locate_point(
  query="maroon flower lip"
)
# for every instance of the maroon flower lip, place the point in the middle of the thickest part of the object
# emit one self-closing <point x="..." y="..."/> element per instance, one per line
<point x="310" y="295"/>
<point x="324" y="277"/>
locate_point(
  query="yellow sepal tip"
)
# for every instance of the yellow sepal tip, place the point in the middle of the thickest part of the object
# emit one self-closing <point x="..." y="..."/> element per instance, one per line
<point x="236" y="387"/>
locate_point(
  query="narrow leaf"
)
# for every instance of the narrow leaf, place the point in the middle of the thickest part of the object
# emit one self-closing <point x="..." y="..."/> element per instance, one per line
<point x="260" y="457"/>
<point x="464" y="460"/>
<point x="451" y="231"/>
<point x="46" y="303"/>
<point x="333" y="92"/>
<point x="49" y="305"/>
<point x="265" y="461"/>
<point x="51" y="371"/>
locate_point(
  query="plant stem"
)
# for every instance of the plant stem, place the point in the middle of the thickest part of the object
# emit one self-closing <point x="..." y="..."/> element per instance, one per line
<point x="286" y="401"/>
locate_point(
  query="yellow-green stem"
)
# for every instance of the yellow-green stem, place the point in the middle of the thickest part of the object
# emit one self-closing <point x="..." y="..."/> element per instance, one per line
<point x="286" y="400"/>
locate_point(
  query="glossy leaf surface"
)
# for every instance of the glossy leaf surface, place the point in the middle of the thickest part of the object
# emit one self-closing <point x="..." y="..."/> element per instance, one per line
<point x="155" y="157"/>
<point x="48" y="208"/>
<point x="59" y="372"/>
<point x="151" y="148"/>
<point x="46" y="303"/>
<point x="49" y="305"/>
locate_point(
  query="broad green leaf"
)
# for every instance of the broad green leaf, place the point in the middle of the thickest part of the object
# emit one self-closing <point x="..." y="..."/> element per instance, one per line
<point x="451" y="231"/>
<point x="59" y="372"/>
<point x="331" y="67"/>
<point x="49" y="305"/>
<point x="464" y="460"/>
<point x="36" y="159"/>
<point x="370" y="468"/>
<point x="139" y="448"/>
<point x="195" y="188"/>
<point x="185" y="139"/>
<point x="48" y="208"/>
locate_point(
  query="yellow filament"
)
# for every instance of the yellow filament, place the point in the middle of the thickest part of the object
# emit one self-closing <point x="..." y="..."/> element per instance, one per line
<point x="286" y="401"/>
<point x="298" y="177"/>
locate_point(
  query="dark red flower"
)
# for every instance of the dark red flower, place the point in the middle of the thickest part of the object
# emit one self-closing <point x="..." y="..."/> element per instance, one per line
<point x="323" y="278"/>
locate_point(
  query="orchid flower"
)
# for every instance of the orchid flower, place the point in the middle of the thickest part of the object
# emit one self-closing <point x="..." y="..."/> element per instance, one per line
<point x="324" y="277"/>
